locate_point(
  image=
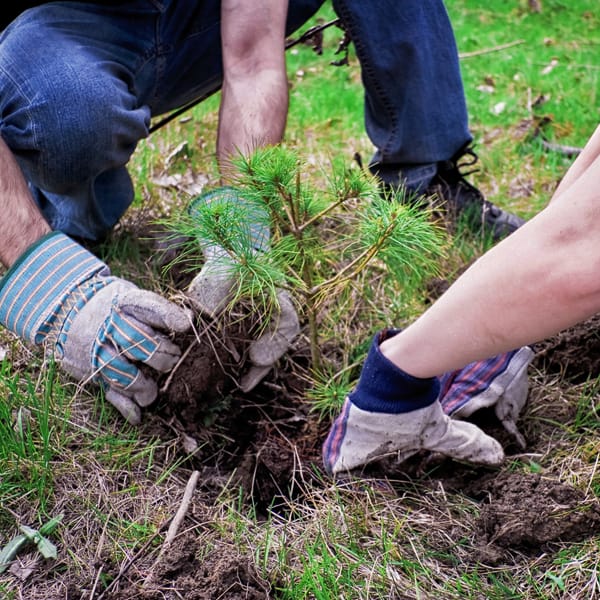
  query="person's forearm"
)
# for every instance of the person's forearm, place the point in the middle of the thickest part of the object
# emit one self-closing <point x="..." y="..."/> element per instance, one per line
<point x="254" y="97"/>
<point x="252" y="114"/>
<point x="21" y="224"/>
<point x="538" y="281"/>
<point x="583" y="161"/>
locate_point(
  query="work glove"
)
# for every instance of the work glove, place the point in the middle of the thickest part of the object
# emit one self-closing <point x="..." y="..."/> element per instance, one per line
<point x="97" y="327"/>
<point x="393" y="413"/>
<point x="212" y="288"/>
<point x="500" y="382"/>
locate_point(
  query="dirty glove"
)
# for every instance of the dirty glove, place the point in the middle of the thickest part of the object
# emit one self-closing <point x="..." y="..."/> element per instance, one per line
<point x="211" y="289"/>
<point x="500" y="382"/>
<point x="96" y="326"/>
<point x="271" y="345"/>
<point x="392" y="413"/>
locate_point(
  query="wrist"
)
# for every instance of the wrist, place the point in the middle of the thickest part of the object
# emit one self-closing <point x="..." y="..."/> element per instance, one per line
<point x="384" y="387"/>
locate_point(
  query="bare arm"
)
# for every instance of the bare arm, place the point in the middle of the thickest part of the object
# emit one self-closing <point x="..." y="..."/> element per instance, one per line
<point x="254" y="100"/>
<point x="584" y="160"/>
<point x="539" y="280"/>
<point x="22" y="223"/>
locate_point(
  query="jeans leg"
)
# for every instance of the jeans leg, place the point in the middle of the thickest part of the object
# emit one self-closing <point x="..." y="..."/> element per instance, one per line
<point x="190" y="65"/>
<point x="69" y="112"/>
<point x="79" y="82"/>
<point x="415" y="110"/>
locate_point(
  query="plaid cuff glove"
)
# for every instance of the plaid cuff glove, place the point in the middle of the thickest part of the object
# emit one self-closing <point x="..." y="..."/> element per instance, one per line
<point x="96" y="326"/>
<point x="500" y="382"/>
<point x="393" y="413"/>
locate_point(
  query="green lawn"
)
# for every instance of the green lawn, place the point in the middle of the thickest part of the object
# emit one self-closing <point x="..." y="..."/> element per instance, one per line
<point x="63" y="451"/>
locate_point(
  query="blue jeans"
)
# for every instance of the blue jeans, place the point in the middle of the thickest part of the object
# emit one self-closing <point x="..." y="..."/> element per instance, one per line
<point x="80" y="82"/>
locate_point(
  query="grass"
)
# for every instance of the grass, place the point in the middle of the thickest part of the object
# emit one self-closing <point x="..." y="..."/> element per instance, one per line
<point x="63" y="450"/>
<point x="550" y="73"/>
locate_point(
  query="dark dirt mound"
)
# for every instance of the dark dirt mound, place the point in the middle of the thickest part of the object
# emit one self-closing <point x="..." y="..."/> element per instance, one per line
<point x="265" y="440"/>
<point x="528" y="512"/>
<point x="574" y="354"/>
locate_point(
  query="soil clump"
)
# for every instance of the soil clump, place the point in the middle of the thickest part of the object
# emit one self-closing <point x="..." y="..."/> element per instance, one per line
<point x="574" y="354"/>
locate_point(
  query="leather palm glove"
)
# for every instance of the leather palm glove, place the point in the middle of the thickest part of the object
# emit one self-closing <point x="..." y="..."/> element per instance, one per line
<point x="97" y="327"/>
<point x="212" y="288"/>
<point x="393" y="413"/>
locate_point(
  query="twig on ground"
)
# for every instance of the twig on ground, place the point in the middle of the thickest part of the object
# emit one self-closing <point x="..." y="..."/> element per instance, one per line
<point x="489" y="50"/>
<point x="190" y="488"/>
<point x="167" y="383"/>
<point x="570" y="151"/>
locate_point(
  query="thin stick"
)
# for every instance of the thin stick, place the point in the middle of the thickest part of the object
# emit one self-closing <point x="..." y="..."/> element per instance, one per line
<point x="96" y="579"/>
<point x="190" y="488"/>
<point x="488" y="50"/>
<point x="167" y="383"/>
<point x="570" y="151"/>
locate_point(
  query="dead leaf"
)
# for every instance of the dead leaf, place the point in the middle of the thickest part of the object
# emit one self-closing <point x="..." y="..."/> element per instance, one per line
<point x="180" y="151"/>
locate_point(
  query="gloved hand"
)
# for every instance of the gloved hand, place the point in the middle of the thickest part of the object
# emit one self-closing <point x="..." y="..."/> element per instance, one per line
<point x="96" y="326"/>
<point x="392" y="413"/>
<point x="500" y="382"/>
<point x="211" y="289"/>
<point x="270" y="346"/>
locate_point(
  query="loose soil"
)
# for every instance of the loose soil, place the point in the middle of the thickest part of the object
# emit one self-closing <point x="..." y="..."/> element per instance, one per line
<point x="266" y="439"/>
<point x="268" y="443"/>
<point x="573" y="354"/>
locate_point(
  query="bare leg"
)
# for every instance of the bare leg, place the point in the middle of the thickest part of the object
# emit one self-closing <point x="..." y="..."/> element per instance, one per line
<point x="541" y="279"/>
<point x="22" y="223"/>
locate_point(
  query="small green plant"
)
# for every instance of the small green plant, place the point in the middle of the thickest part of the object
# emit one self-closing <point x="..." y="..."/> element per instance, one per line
<point x="29" y="536"/>
<point x="321" y="240"/>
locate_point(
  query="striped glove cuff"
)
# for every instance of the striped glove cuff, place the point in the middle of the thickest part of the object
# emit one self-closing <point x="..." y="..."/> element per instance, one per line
<point x="34" y="292"/>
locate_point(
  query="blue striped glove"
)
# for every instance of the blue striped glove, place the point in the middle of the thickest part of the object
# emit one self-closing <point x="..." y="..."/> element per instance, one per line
<point x="500" y="382"/>
<point x="96" y="326"/>
<point x="211" y="289"/>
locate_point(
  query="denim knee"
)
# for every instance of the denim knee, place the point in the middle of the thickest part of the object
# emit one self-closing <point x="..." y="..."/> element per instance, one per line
<point x="69" y="129"/>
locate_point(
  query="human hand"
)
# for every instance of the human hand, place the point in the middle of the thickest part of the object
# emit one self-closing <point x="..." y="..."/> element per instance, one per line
<point x="212" y="288"/>
<point x="237" y="228"/>
<point x="97" y="327"/>
<point x="392" y="413"/>
<point x="500" y="382"/>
